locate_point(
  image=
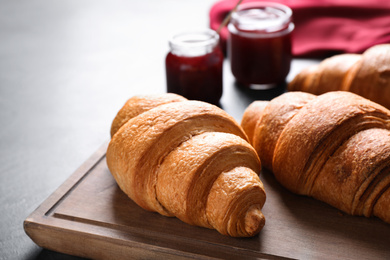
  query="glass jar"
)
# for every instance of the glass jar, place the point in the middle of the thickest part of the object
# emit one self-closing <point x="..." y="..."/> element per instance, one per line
<point x="194" y="66"/>
<point x="259" y="44"/>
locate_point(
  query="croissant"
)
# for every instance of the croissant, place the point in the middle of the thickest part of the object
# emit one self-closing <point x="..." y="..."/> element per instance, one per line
<point x="188" y="159"/>
<point x="334" y="147"/>
<point x="367" y="75"/>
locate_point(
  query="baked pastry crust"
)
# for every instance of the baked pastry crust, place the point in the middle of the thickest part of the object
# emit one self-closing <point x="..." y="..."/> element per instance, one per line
<point x="334" y="147"/>
<point x="191" y="160"/>
<point x="367" y="75"/>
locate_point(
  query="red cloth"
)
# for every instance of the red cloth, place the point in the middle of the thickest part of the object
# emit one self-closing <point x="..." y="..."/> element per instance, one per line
<point x="326" y="27"/>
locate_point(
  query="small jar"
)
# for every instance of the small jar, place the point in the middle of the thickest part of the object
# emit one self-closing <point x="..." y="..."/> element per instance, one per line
<point x="194" y="66"/>
<point x="259" y="44"/>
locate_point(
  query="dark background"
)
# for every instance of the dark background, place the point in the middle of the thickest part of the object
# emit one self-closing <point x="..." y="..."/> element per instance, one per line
<point x="66" y="67"/>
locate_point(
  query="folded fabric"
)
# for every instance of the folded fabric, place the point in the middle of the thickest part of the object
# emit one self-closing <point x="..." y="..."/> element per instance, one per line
<point x="324" y="27"/>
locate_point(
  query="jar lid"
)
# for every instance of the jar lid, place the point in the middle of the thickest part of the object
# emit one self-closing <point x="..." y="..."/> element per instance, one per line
<point x="262" y="16"/>
<point x="194" y="43"/>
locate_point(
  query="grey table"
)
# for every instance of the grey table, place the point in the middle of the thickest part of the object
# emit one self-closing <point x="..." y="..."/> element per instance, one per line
<point x="66" y="67"/>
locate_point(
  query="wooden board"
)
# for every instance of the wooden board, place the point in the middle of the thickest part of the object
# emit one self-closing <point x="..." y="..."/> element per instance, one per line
<point x="89" y="216"/>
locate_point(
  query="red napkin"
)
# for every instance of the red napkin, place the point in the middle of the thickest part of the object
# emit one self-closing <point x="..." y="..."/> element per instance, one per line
<point x="326" y="27"/>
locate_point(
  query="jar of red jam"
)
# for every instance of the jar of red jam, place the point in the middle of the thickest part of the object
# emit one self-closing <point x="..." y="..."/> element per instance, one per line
<point x="259" y="44"/>
<point x="194" y="66"/>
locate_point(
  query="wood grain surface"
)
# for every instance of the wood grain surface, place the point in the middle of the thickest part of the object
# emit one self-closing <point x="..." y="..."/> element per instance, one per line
<point x="89" y="216"/>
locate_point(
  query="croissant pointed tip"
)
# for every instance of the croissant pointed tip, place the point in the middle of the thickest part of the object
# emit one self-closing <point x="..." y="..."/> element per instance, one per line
<point x="254" y="221"/>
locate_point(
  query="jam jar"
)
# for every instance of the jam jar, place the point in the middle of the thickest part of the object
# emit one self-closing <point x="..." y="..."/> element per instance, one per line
<point x="259" y="44"/>
<point x="194" y="66"/>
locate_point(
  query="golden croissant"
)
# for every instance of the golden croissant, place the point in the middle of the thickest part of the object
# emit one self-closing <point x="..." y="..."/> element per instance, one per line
<point x="334" y="147"/>
<point x="367" y="75"/>
<point x="187" y="159"/>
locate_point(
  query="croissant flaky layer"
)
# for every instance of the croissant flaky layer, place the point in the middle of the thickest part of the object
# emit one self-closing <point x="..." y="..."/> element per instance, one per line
<point x="334" y="147"/>
<point x="188" y="159"/>
<point x="367" y="75"/>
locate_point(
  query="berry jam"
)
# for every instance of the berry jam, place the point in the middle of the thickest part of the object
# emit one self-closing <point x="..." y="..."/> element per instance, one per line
<point x="194" y="66"/>
<point x="259" y="43"/>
